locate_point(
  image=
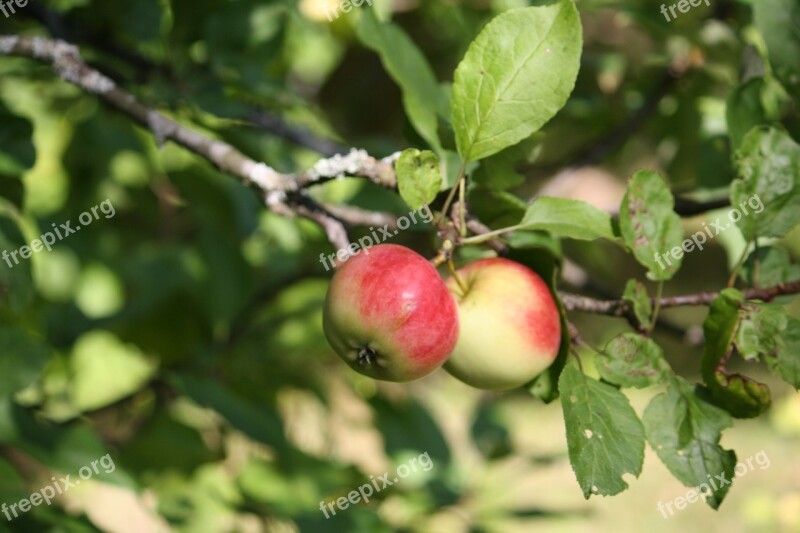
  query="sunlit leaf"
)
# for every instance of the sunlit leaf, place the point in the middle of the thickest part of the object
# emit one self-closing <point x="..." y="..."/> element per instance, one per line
<point x="516" y="75"/>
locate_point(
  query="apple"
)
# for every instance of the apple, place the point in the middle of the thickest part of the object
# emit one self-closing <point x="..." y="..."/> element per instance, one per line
<point x="509" y="322"/>
<point x="389" y="315"/>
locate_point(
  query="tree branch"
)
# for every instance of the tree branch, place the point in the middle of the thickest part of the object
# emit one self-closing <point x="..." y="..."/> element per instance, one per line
<point x="356" y="216"/>
<point x="272" y="123"/>
<point x="67" y="63"/>
<point x="283" y="193"/>
<point x="687" y="207"/>
<point x="277" y="126"/>
<point x="621" y="308"/>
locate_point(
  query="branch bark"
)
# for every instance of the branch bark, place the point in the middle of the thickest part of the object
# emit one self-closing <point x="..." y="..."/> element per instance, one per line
<point x="274" y="124"/>
<point x="621" y="308"/>
<point x="67" y="63"/>
<point x="283" y="193"/>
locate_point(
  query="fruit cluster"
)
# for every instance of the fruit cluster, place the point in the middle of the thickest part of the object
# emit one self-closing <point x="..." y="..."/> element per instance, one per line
<point x="493" y="325"/>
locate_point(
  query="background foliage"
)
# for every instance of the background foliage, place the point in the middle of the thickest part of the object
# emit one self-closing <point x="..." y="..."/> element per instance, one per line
<point x="183" y="335"/>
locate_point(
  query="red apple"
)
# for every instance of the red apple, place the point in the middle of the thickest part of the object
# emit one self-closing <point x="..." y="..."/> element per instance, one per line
<point x="389" y="315"/>
<point x="510" y="326"/>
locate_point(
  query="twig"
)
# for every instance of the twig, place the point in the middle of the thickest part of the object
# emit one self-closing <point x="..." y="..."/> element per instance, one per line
<point x="619" y="308"/>
<point x="333" y="226"/>
<point x="355" y="163"/>
<point x="356" y="216"/>
<point x="686" y="207"/>
<point x="277" y="126"/>
<point x="272" y="123"/>
<point x="67" y="63"/>
<point x="598" y="150"/>
<point x="478" y="228"/>
<point x="656" y="307"/>
<point x="280" y="192"/>
<point x="69" y="66"/>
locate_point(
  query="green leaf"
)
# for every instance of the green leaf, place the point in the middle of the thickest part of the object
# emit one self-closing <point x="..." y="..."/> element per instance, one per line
<point x="777" y="20"/>
<point x="16" y="286"/>
<point x="684" y="431"/>
<point x="760" y="330"/>
<point x="22" y="359"/>
<point x="499" y="170"/>
<point x="568" y="218"/>
<point x="164" y="443"/>
<point x="257" y="422"/>
<point x="12" y="486"/>
<point x="768" y="187"/>
<point x="631" y="360"/>
<point x="636" y="295"/>
<point x="17" y="152"/>
<point x="106" y="370"/>
<point x="63" y="447"/>
<point x="767" y="331"/>
<point x="649" y="225"/>
<point x="293" y="495"/>
<point x="419" y="177"/>
<point x="741" y="396"/>
<point x="785" y="362"/>
<point x="604" y="435"/>
<point x="542" y="240"/>
<point x="489" y="433"/>
<point x="410" y="70"/>
<point x="409" y="425"/>
<point x="452" y="163"/>
<point x="496" y="209"/>
<point x="744" y="110"/>
<point x="774" y="267"/>
<point x="516" y="75"/>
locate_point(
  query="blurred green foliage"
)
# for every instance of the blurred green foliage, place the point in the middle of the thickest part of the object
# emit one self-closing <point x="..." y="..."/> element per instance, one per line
<point x="183" y="335"/>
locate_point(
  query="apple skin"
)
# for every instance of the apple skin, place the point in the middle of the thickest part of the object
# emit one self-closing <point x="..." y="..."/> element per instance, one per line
<point x="510" y="325"/>
<point x="389" y="315"/>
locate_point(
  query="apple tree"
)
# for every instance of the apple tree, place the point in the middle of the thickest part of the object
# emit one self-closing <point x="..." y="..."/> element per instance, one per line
<point x="645" y="171"/>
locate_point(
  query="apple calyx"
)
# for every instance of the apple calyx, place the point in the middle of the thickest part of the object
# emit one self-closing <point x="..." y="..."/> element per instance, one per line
<point x="367" y="357"/>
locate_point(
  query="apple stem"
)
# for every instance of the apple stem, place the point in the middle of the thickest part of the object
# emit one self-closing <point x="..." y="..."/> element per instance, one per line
<point x="450" y="197"/>
<point x="367" y="356"/>
<point x="462" y="207"/>
<point x="456" y="277"/>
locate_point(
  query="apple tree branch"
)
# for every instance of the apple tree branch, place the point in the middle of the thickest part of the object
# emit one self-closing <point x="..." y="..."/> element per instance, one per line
<point x="286" y="194"/>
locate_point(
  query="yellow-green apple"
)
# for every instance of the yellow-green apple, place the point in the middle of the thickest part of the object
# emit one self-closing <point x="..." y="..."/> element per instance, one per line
<point x="509" y="323"/>
<point x="389" y="315"/>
